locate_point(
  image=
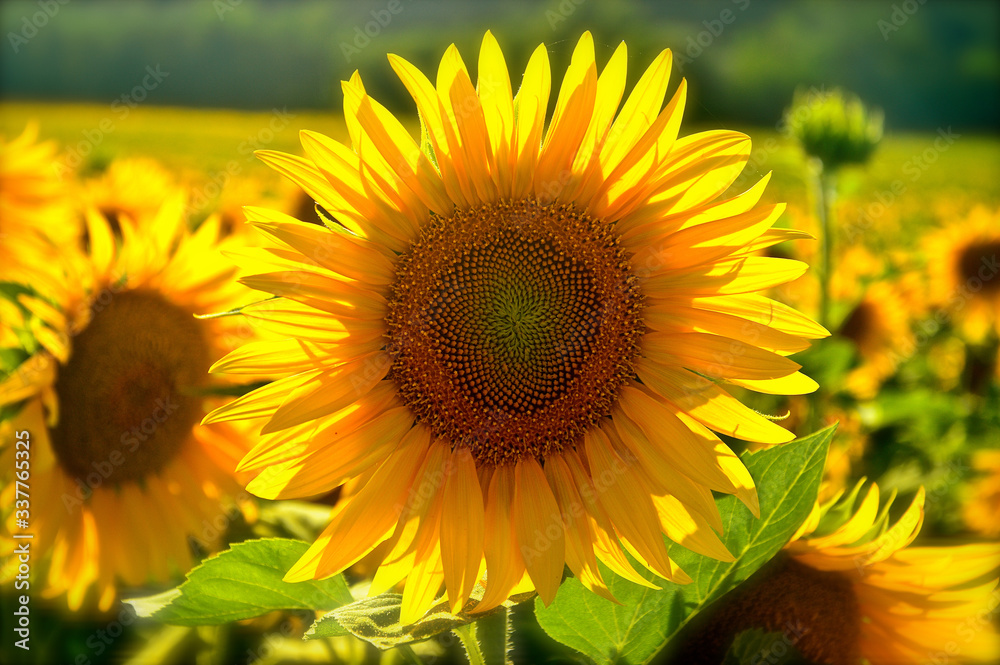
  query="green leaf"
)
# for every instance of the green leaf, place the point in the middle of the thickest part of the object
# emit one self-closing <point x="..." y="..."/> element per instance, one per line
<point x="755" y="647"/>
<point x="241" y="583"/>
<point x="376" y="619"/>
<point x="787" y="479"/>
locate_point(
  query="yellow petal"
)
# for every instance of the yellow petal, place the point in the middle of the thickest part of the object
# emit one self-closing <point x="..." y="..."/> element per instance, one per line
<point x="322" y="471"/>
<point x="716" y="356"/>
<point x="341" y="299"/>
<point x="351" y="256"/>
<point x="530" y="107"/>
<point x="465" y="127"/>
<point x="579" y="538"/>
<point x="538" y="526"/>
<point x="679" y="315"/>
<point x="369" y="517"/>
<point x="628" y="504"/>
<point x="422" y="583"/>
<point x="289" y="318"/>
<point x="711" y="241"/>
<point x="708" y="404"/>
<point x="504" y="564"/>
<point x="461" y="528"/>
<point x="765" y="311"/>
<point x="640" y="110"/>
<point x="493" y="87"/>
<point x="328" y="391"/>
<point x="726" y="277"/>
<point x="572" y="116"/>
<point x="689" y="529"/>
<point x="689" y="447"/>
<point x="606" y="545"/>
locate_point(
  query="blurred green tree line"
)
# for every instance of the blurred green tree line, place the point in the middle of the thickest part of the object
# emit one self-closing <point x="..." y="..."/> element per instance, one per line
<point x="927" y="63"/>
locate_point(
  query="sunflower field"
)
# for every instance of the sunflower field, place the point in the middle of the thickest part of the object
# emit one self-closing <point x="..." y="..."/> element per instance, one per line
<point x="434" y="332"/>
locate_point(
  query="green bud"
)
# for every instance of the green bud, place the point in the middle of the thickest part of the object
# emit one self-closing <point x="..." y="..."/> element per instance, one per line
<point x="834" y="126"/>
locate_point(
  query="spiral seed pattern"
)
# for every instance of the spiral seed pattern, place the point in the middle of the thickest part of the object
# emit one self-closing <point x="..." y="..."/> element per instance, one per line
<point x="512" y="326"/>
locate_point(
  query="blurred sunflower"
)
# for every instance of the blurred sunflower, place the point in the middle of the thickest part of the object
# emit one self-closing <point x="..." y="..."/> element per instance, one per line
<point x="896" y="604"/>
<point x="122" y="473"/>
<point x="982" y="508"/>
<point x="240" y="192"/>
<point x="965" y="274"/>
<point x="514" y="335"/>
<point x="848" y="590"/>
<point x="879" y="327"/>
<point x="846" y="451"/>
<point x="132" y="187"/>
<point x="35" y="217"/>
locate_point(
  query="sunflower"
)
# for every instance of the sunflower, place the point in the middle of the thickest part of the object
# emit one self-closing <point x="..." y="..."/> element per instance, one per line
<point x="121" y="471"/>
<point x="845" y="453"/>
<point x="879" y="327"/>
<point x="909" y="604"/>
<point x="35" y="217"/>
<point x="849" y="590"/>
<point x="965" y="274"/>
<point x="982" y="509"/>
<point x="133" y="187"/>
<point x="516" y="335"/>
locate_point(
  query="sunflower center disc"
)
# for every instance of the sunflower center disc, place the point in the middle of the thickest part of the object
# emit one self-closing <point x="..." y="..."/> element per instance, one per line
<point x="972" y="261"/>
<point x="512" y="327"/>
<point x="817" y="611"/>
<point x="125" y="406"/>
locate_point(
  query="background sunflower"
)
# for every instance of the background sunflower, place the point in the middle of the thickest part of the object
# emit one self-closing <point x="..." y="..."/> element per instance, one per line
<point x="111" y="396"/>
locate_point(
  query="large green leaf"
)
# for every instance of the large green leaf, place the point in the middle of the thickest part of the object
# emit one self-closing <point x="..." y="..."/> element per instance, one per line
<point x="787" y="479"/>
<point x="241" y="583"/>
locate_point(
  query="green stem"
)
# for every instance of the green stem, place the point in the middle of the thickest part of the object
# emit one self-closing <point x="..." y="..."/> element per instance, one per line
<point x="826" y="194"/>
<point x="467" y="634"/>
<point x="410" y="655"/>
<point x="493" y="631"/>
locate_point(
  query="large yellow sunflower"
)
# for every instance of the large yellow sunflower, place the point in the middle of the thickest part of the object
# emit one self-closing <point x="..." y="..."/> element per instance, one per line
<point x="120" y="471"/>
<point x="515" y="334"/>
<point x="965" y="274"/>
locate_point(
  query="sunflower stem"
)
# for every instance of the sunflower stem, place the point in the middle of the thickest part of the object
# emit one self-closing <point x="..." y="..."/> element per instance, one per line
<point x="826" y="194"/>
<point x="467" y="634"/>
<point x="410" y="655"/>
<point x="493" y="631"/>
